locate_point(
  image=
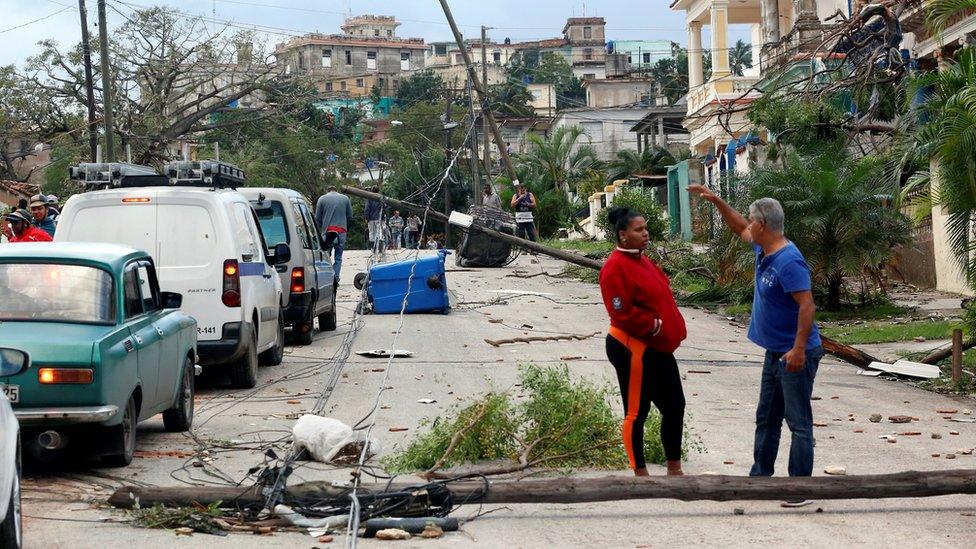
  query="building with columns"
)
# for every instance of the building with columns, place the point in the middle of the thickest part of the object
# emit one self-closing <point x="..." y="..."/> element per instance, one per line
<point x="774" y="25"/>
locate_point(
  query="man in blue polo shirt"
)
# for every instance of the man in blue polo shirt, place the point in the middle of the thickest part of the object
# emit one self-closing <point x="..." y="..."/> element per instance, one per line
<point x="782" y="323"/>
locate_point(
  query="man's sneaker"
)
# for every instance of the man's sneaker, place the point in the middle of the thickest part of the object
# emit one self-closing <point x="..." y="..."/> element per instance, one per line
<point x="793" y="503"/>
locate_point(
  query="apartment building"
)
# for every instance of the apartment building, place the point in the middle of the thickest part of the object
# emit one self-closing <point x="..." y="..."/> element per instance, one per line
<point x="583" y="45"/>
<point x="368" y="49"/>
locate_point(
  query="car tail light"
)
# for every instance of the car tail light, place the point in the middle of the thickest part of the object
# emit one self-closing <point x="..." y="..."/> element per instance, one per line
<point x="50" y="376"/>
<point x="232" y="284"/>
<point x="298" y="280"/>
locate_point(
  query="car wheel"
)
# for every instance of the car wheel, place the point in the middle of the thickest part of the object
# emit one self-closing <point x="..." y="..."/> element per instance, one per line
<point x="274" y="355"/>
<point x="11" y="532"/>
<point x="179" y="418"/>
<point x="125" y="437"/>
<point x="244" y="372"/>
<point x="327" y="321"/>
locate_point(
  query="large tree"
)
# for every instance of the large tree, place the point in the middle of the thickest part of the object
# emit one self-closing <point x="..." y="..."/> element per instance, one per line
<point x="422" y="86"/>
<point x="171" y="76"/>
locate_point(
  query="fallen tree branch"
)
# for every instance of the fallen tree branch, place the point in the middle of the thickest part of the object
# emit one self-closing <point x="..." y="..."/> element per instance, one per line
<point x="938" y="356"/>
<point x="533" y="339"/>
<point x="570" y="490"/>
<point x="455" y="440"/>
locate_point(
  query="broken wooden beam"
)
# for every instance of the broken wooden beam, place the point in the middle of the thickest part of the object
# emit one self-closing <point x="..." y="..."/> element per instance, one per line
<point x="938" y="356"/>
<point x="910" y="484"/>
<point x="846" y="352"/>
<point x="534" y="339"/>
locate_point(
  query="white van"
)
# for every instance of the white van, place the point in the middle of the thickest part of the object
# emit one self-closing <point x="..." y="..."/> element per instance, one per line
<point x="208" y="246"/>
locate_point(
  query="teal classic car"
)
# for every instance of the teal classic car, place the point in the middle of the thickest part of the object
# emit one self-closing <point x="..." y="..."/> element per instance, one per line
<point x="107" y="348"/>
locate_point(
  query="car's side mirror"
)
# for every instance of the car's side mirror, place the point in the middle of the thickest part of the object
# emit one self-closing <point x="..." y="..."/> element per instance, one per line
<point x="171" y="300"/>
<point x="13" y="361"/>
<point x="282" y="255"/>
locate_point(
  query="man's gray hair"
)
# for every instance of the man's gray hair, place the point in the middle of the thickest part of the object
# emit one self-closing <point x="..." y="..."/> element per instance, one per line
<point x="768" y="211"/>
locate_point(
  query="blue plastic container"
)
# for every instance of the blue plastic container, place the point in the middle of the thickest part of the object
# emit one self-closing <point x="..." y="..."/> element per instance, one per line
<point x="428" y="291"/>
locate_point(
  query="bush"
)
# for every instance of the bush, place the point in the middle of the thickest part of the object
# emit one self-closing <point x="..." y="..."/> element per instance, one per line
<point x="560" y="422"/>
<point x="642" y="202"/>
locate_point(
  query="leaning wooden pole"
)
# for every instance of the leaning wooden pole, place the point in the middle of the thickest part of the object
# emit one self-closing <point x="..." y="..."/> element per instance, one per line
<point x="911" y="484"/>
<point x="844" y="352"/>
<point x="568" y="257"/>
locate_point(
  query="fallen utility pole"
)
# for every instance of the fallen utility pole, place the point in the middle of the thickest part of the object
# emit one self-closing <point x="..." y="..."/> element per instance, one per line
<point x="844" y="352"/>
<point x="568" y="257"/>
<point x="482" y="89"/>
<point x="910" y="484"/>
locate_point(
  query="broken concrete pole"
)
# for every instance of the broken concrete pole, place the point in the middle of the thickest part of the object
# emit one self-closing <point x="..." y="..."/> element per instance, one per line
<point x="586" y="490"/>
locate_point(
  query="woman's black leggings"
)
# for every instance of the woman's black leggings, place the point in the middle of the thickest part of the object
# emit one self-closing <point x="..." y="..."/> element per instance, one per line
<point x="647" y="376"/>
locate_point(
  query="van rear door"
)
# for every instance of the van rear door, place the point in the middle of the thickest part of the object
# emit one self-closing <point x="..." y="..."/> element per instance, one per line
<point x="189" y="261"/>
<point x="121" y="218"/>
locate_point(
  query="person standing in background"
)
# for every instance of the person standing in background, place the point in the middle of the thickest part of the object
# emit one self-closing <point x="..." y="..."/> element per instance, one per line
<point x="43" y="218"/>
<point x="396" y="230"/>
<point x="333" y="212"/>
<point x="373" y="213"/>
<point x="523" y="203"/>
<point x="413" y="231"/>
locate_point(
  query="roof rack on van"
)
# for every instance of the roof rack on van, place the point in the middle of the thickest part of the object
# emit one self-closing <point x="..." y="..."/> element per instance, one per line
<point x="208" y="173"/>
<point x="114" y="174"/>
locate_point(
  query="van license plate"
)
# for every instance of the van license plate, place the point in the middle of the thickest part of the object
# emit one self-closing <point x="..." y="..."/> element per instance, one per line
<point x="12" y="392"/>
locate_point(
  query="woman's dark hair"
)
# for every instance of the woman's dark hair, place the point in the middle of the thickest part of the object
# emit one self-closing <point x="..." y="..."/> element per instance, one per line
<point x="620" y="218"/>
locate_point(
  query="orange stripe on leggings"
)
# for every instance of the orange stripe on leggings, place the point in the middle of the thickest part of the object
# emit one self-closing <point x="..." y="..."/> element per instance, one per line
<point x="636" y="348"/>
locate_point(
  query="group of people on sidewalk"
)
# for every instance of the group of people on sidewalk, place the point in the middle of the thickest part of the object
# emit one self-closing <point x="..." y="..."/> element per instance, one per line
<point x="33" y="220"/>
<point x="646" y="328"/>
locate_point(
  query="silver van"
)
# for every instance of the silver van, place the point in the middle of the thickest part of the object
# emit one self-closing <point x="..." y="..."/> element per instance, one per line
<point x="308" y="280"/>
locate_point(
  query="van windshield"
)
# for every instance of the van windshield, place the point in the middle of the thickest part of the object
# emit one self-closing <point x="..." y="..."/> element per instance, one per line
<point x="271" y="215"/>
<point x="56" y="293"/>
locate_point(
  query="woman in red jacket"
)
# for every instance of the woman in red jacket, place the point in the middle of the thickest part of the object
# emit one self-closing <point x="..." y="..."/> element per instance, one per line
<point x="645" y="329"/>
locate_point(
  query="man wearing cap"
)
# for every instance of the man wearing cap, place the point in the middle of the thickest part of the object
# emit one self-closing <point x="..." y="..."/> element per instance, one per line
<point x="18" y="228"/>
<point x="43" y="219"/>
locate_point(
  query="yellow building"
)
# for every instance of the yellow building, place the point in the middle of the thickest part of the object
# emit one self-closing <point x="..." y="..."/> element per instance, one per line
<point x="717" y="107"/>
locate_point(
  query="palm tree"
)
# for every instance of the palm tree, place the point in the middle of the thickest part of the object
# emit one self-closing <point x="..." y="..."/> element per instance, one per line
<point x="950" y="138"/>
<point x="560" y="159"/>
<point x="840" y="212"/>
<point x="740" y="58"/>
<point x="652" y="161"/>
<point x="941" y="12"/>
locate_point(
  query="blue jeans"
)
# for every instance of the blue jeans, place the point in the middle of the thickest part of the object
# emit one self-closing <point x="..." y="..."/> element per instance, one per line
<point x="786" y="395"/>
<point x="335" y="250"/>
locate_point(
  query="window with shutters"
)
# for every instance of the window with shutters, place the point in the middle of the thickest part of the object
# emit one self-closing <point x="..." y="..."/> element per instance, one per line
<point x="326" y="58"/>
<point x="371" y="60"/>
<point x="404" y="61"/>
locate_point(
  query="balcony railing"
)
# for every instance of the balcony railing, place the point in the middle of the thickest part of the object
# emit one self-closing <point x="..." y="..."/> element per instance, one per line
<point x="726" y="88"/>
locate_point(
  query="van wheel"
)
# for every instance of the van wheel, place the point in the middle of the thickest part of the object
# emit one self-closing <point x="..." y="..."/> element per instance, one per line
<point x="327" y="321"/>
<point x="274" y="355"/>
<point x="123" y="436"/>
<point x="11" y="533"/>
<point x="244" y="372"/>
<point x="179" y="418"/>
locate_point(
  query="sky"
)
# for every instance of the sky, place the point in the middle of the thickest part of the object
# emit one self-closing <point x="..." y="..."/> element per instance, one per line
<point x="24" y="23"/>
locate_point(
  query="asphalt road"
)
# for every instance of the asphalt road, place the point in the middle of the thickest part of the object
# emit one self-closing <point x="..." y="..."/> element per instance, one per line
<point x="64" y="506"/>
